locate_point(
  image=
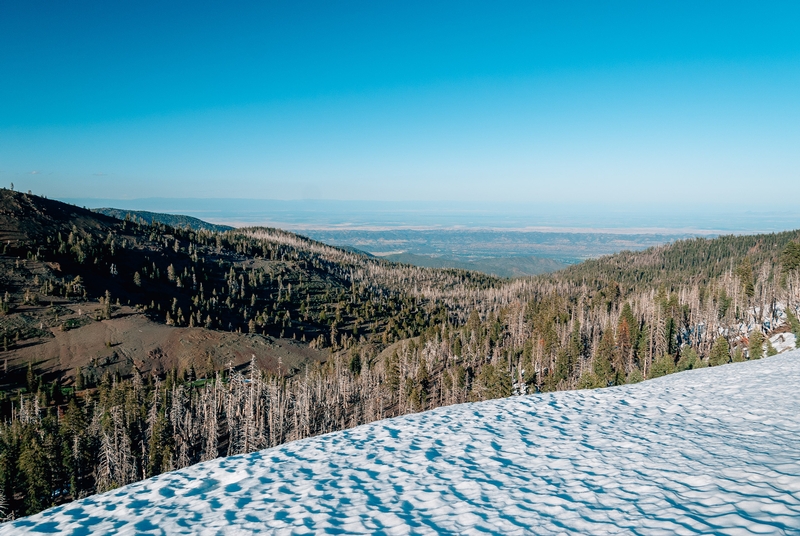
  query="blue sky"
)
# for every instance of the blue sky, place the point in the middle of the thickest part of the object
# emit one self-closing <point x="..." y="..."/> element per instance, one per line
<point x="591" y="102"/>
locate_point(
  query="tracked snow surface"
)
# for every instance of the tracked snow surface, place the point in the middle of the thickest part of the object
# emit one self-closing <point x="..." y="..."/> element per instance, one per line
<point x="707" y="451"/>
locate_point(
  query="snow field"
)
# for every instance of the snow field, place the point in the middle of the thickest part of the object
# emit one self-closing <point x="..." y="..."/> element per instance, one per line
<point x="715" y="450"/>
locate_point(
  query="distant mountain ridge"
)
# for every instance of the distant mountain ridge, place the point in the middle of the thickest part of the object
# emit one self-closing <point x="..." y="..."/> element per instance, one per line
<point x="173" y="220"/>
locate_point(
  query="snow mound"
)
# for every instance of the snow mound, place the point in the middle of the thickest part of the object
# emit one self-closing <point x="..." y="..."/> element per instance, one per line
<point x="783" y="342"/>
<point x="708" y="451"/>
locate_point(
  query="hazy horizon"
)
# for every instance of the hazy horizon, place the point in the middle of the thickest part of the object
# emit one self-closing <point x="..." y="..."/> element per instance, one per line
<point x="327" y="214"/>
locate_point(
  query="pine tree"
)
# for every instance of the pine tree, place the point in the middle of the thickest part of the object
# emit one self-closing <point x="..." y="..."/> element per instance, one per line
<point x="794" y="323"/>
<point x="602" y="365"/>
<point x="755" y="345"/>
<point x="563" y="369"/>
<point x="663" y="365"/>
<point x="745" y="273"/>
<point x="392" y="368"/>
<point x="73" y="431"/>
<point x="771" y="351"/>
<point x="720" y="352"/>
<point x="495" y="380"/>
<point x="688" y="359"/>
<point x="79" y="381"/>
<point x="35" y="468"/>
<point x="355" y="362"/>
<point x="419" y="393"/>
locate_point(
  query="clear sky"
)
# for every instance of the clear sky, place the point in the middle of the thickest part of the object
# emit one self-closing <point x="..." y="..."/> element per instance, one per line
<point x="596" y="102"/>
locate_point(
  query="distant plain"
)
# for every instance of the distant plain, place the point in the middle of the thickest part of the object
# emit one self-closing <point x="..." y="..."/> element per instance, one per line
<point x="504" y="240"/>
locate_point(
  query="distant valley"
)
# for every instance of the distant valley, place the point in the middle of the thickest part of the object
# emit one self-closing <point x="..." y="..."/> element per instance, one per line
<point x="504" y="241"/>
<point x="499" y="252"/>
<point x="505" y="253"/>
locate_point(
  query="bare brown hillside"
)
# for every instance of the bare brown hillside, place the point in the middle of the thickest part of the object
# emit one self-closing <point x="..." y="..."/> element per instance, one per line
<point x="131" y="342"/>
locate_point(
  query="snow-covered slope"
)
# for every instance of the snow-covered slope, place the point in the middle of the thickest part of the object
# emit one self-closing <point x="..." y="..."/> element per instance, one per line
<point x="709" y="451"/>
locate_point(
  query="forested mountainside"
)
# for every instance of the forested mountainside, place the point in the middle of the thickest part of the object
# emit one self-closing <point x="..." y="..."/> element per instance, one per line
<point x="260" y="281"/>
<point x="699" y="260"/>
<point x="172" y="220"/>
<point x="366" y="338"/>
